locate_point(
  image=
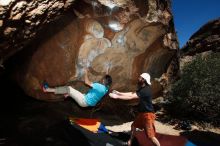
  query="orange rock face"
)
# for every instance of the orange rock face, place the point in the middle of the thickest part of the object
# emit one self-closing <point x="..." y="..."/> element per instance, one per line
<point x="127" y="37"/>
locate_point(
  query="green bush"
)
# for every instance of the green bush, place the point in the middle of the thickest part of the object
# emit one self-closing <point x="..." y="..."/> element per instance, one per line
<point x="197" y="93"/>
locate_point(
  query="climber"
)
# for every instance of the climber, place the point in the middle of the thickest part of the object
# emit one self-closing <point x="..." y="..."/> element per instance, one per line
<point x="91" y="98"/>
<point x="145" y="118"/>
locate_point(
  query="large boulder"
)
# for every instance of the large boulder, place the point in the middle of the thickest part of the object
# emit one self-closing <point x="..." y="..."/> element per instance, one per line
<point x="128" y="37"/>
<point x="20" y="21"/>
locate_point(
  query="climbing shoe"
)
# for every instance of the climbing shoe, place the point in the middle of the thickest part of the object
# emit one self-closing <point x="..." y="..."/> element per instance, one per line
<point x="45" y="86"/>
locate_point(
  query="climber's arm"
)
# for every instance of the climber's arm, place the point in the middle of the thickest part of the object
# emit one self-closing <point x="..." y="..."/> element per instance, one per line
<point x="86" y="79"/>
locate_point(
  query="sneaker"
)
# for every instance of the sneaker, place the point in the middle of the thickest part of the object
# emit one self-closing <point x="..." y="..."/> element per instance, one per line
<point x="45" y="86"/>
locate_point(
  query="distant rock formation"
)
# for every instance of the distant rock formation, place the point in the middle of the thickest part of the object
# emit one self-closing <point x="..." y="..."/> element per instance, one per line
<point x="207" y="38"/>
<point x="128" y="37"/>
<point x="205" y="41"/>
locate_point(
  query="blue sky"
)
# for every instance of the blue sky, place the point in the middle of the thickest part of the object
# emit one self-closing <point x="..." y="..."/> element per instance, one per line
<point x="190" y="15"/>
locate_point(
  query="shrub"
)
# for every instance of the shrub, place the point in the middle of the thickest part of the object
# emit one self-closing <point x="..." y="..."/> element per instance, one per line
<point x="197" y="93"/>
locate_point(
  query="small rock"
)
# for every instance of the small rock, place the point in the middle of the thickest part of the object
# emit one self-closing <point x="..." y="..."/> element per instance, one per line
<point x="5" y="2"/>
<point x="68" y="3"/>
<point x="27" y="21"/>
<point x="184" y="125"/>
<point x="9" y="30"/>
<point x="17" y="17"/>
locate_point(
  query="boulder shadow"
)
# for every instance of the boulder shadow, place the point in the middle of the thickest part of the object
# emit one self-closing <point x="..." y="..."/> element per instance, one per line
<point x="202" y="138"/>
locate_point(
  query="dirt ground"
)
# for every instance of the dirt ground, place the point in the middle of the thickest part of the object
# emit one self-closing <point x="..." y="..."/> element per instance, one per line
<point x="160" y="128"/>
